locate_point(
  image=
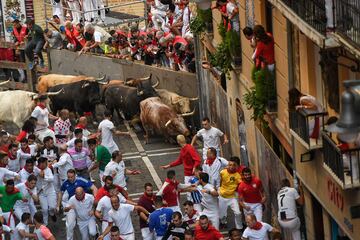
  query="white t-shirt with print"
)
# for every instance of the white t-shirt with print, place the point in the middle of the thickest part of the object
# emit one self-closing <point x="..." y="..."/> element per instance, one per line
<point x="210" y="137"/>
<point x="261" y="234"/>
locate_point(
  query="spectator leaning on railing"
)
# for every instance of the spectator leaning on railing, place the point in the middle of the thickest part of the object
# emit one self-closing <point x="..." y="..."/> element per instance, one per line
<point x="35" y="43"/>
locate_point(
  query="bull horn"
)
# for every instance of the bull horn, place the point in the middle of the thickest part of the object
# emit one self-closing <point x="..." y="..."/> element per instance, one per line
<point x="55" y="93"/>
<point x="3" y="83"/>
<point x="156" y="84"/>
<point x="187" y="114"/>
<point x="145" y="78"/>
<point x="100" y="79"/>
<point x="167" y="123"/>
<point x="194" y="99"/>
<point x="103" y="83"/>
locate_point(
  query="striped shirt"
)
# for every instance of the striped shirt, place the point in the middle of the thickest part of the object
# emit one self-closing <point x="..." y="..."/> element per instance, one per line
<point x="195" y="195"/>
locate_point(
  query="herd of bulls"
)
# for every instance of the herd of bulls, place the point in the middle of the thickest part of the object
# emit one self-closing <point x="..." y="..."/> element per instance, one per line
<point x="161" y="111"/>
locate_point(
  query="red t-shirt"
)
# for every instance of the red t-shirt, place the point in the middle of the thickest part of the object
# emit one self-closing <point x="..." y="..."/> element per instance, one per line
<point x="251" y="192"/>
<point x="266" y="51"/>
<point x="4" y="148"/>
<point x="210" y="234"/>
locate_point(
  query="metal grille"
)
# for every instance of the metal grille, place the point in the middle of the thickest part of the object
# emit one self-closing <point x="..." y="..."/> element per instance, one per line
<point x="348" y="19"/>
<point x="311" y="11"/>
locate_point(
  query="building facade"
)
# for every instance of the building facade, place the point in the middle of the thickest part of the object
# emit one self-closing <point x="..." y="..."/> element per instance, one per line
<point x="317" y="48"/>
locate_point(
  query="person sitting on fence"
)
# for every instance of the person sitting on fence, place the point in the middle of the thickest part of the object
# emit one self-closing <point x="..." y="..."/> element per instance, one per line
<point x="19" y="32"/>
<point x="35" y="44"/>
<point x="264" y="51"/>
<point x="72" y="35"/>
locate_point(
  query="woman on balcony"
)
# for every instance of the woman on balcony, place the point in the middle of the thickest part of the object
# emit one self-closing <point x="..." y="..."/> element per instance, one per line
<point x="298" y="101"/>
<point x="264" y="51"/>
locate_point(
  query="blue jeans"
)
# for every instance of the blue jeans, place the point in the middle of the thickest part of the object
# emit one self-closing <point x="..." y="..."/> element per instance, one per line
<point x="34" y="47"/>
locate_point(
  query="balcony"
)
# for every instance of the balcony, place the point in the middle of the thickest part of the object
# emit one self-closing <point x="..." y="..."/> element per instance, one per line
<point x="302" y="127"/>
<point x="342" y="164"/>
<point x="347" y="15"/>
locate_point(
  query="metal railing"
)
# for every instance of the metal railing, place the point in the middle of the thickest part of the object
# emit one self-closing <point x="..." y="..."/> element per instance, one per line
<point x="343" y="163"/>
<point x="311" y="11"/>
<point x="347" y="15"/>
<point x="301" y="120"/>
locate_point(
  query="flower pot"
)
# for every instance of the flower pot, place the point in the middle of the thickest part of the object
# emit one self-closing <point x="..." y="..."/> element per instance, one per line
<point x="203" y="4"/>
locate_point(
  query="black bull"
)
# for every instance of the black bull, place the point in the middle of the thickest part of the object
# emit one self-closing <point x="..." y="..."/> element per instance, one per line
<point x="78" y="97"/>
<point x="127" y="99"/>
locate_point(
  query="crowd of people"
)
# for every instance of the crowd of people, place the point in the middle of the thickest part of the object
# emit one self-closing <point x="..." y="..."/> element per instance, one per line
<point x="51" y="167"/>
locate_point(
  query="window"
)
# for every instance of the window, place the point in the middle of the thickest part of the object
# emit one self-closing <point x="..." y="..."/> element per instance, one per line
<point x="249" y="13"/>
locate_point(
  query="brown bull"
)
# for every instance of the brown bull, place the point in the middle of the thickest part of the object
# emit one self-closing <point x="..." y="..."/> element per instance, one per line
<point x="160" y="118"/>
<point x="50" y="80"/>
<point x="179" y="103"/>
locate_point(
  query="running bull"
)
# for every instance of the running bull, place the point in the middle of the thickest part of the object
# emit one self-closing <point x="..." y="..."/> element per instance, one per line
<point x="16" y="106"/>
<point x="179" y="103"/>
<point x="162" y="119"/>
<point x="78" y="97"/>
<point x="48" y="81"/>
<point x="127" y="99"/>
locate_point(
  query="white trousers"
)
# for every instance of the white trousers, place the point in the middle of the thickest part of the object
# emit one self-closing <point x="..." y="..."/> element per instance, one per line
<point x="292" y="226"/>
<point x="48" y="205"/>
<point x="88" y="6"/>
<point x="10" y="223"/>
<point x="20" y="210"/>
<point x="87" y="228"/>
<point x="70" y="224"/>
<point x="75" y="7"/>
<point x="128" y="236"/>
<point x="256" y="209"/>
<point x="213" y="216"/>
<point x="44" y="133"/>
<point x="146" y="234"/>
<point x="104" y="225"/>
<point x="99" y="4"/>
<point x="224" y="203"/>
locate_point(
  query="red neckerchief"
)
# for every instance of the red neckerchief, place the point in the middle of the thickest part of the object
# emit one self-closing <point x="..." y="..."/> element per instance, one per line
<point x="171" y="182"/>
<point x="257" y="226"/>
<point x="81" y="126"/>
<point x="192" y="213"/>
<point x="210" y="161"/>
<point x="41" y="105"/>
<point x="11" y="157"/>
<point x="149" y="198"/>
<point x="14" y="191"/>
<point x="3" y="165"/>
<point x="26" y="150"/>
<point x="80" y="200"/>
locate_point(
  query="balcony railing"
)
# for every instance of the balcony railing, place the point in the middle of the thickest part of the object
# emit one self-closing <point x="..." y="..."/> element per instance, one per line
<point x="342" y="164"/>
<point x="347" y="14"/>
<point x="311" y="11"/>
<point x="303" y="123"/>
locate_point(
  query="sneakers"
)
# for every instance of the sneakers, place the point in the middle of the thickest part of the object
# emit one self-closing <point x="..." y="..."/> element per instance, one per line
<point x="41" y="64"/>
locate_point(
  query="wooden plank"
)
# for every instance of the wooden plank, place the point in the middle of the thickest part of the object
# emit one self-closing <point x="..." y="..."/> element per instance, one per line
<point x="206" y="41"/>
<point x="13" y="65"/>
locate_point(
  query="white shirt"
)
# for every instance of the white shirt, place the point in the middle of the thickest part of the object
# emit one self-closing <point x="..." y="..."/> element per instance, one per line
<point x="214" y="170"/>
<point x="104" y="205"/>
<point x="119" y="169"/>
<point x="83" y="208"/>
<point x="25" y="192"/>
<point x="208" y="201"/>
<point x="22" y="156"/>
<point x="122" y="218"/>
<point x="21" y="226"/>
<point x="71" y="142"/>
<point x="210" y="137"/>
<point x="42" y="116"/>
<point x="106" y="135"/>
<point x="24" y="175"/>
<point x="261" y="234"/>
<point x="186" y="21"/>
<point x="14" y="164"/>
<point x="7" y="174"/>
<point x="287" y="202"/>
<point x="44" y="185"/>
<point x="63" y="165"/>
<point x="230" y="8"/>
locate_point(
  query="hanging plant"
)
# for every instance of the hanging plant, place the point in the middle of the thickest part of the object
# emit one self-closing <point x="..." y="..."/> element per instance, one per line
<point x="262" y="91"/>
<point x="221" y="58"/>
<point x="200" y="23"/>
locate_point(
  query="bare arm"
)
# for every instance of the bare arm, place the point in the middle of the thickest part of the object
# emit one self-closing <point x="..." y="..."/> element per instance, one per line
<point x="193" y="141"/>
<point x="94" y="190"/>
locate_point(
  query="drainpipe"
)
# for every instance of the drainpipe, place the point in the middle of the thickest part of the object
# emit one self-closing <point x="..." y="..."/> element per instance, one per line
<point x="198" y="66"/>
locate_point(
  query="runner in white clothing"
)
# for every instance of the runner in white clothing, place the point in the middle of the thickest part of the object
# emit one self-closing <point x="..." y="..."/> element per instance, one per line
<point x="213" y="166"/>
<point x="106" y="129"/>
<point x="46" y="189"/>
<point x="287" y="214"/>
<point x="24" y="152"/>
<point x="29" y="192"/>
<point x="116" y="168"/>
<point x="64" y="164"/>
<point x="211" y="137"/>
<point x="22" y="230"/>
<point x="120" y="216"/>
<point x="6" y="174"/>
<point x="78" y="132"/>
<point x="27" y="170"/>
<point x="83" y="203"/>
<point x="257" y="230"/>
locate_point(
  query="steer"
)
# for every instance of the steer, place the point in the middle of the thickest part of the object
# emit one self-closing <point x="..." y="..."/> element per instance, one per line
<point x="179" y="103"/>
<point x="16" y="105"/>
<point x="162" y="119"/>
<point x="45" y="82"/>
<point x="79" y="97"/>
<point x="127" y="99"/>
